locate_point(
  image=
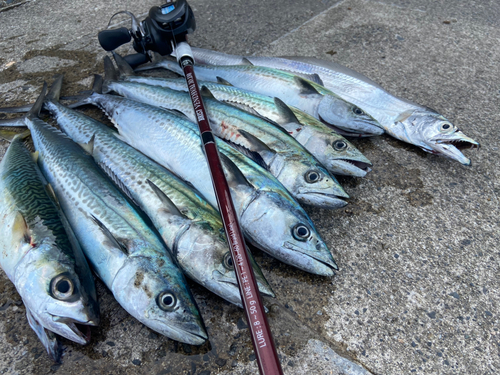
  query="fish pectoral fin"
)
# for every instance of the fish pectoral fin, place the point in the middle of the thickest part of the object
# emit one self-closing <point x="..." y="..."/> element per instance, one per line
<point x="305" y="86"/>
<point x="35" y="155"/>
<point x="206" y="93"/>
<point x="20" y="229"/>
<point x="114" y="242"/>
<point x="89" y="146"/>
<point x="168" y="206"/>
<point x="286" y="114"/>
<point x="48" y="338"/>
<point x="245" y="61"/>
<point x="403" y="116"/>
<point x="233" y="174"/>
<point x="52" y="194"/>
<point x="257" y="145"/>
<point x="222" y="81"/>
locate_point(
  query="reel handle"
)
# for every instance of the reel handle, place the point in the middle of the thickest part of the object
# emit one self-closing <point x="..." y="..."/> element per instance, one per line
<point x="112" y="39"/>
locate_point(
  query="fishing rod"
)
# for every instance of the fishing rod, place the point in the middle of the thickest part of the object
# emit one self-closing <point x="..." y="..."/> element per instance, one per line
<point x="165" y="30"/>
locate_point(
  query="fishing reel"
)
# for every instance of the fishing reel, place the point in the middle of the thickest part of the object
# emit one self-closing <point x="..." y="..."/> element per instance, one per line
<point x="165" y="27"/>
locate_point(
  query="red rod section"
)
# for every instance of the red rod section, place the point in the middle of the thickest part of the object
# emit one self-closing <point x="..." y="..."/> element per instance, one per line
<point x="263" y="343"/>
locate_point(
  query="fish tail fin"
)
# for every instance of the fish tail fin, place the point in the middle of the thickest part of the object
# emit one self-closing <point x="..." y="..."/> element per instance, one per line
<point x="55" y="90"/>
<point x="124" y="68"/>
<point x="37" y="107"/>
<point x="85" y="99"/>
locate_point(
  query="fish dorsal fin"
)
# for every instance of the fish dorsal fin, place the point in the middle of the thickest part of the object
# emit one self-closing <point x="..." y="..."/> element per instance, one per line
<point x="113" y="241"/>
<point x="315" y="78"/>
<point x="124" y="67"/>
<point x="286" y="114"/>
<point x="55" y="89"/>
<point x="206" y="93"/>
<point x="403" y="116"/>
<point x="233" y="174"/>
<point x="257" y="144"/>
<point x="222" y="81"/>
<point x="89" y="146"/>
<point x="305" y="86"/>
<point x="167" y="203"/>
<point x="245" y="61"/>
<point x="20" y="229"/>
<point x="52" y="194"/>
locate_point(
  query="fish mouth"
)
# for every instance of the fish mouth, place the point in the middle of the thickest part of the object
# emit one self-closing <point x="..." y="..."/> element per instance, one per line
<point x="321" y="200"/>
<point x="314" y="264"/>
<point x="79" y="331"/>
<point x="196" y="336"/>
<point x="452" y="148"/>
<point x="263" y="288"/>
<point x="348" y="167"/>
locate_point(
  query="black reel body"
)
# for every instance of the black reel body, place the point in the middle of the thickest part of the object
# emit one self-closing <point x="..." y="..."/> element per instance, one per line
<point x="165" y="25"/>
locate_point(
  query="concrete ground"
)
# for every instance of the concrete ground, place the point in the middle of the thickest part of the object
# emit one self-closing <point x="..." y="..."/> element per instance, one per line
<point x="417" y="292"/>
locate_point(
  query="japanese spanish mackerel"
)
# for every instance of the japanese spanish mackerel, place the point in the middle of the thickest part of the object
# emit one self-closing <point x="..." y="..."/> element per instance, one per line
<point x="299" y="92"/>
<point x="331" y="149"/>
<point x="41" y="256"/>
<point x="404" y="120"/>
<point x="121" y="248"/>
<point x="195" y="236"/>
<point x="271" y="219"/>
<point x="304" y="177"/>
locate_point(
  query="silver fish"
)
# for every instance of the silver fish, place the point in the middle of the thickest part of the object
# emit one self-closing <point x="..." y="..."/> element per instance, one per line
<point x="294" y="90"/>
<point x="299" y="172"/>
<point x="41" y="257"/>
<point x="271" y="219"/>
<point x="122" y="249"/>
<point x="401" y="118"/>
<point x="188" y="224"/>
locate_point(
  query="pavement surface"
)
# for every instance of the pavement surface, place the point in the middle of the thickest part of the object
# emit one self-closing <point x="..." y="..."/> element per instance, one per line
<point x="417" y="292"/>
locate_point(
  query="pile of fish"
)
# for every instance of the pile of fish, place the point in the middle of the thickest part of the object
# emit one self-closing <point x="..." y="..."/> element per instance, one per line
<point x="88" y="187"/>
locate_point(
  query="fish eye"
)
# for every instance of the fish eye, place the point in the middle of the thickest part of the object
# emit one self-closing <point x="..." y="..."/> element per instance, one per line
<point x="339" y="145"/>
<point x="357" y="111"/>
<point x="312" y="176"/>
<point x="301" y="232"/>
<point x="62" y="287"/>
<point x="166" y="301"/>
<point x="446" y="127"/>
<point x="228" y="261"/>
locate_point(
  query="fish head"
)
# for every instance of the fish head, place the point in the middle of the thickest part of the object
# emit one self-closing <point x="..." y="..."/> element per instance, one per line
<point x="286" y="232"/>
<point x="433" y="133"/>
<point x="338" y="113"/>
<point x="154" y="291"/>
<point x="310" y="183"/>
<point x="339" y="156"/>
<point x="205" y="257"/>
<point x="55" y="294"/>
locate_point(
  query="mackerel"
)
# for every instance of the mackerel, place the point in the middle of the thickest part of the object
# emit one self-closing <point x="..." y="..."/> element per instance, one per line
<point x="294" y="90"/>
<point x="41" y="256"/>
<point x="189" y="225"/>
<point x="304" y="177"/>
<point x="270" y="218"/>
<point x="401" y="118"/>
<point x="331" y="149"/>
<point x="123" y="251"/>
